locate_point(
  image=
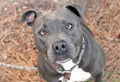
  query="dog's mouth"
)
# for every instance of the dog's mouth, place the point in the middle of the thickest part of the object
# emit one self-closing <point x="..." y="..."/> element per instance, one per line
<point x="62" y="59"/>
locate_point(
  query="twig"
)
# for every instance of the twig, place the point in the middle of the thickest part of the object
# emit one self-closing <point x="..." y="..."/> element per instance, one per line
<point x="18" y="67"/>
<point x="51" y="4"/>
<point x="110" y="39"/>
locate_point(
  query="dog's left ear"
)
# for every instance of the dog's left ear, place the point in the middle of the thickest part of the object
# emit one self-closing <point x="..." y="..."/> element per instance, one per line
<point x="77" y="10"/>
<point x="29" y="16"/>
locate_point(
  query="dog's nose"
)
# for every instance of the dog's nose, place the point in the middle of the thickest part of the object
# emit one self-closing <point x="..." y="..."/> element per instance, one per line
<point x="60" y="47"/>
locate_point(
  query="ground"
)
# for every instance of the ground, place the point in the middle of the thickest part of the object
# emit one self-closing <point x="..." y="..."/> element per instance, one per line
<point x="17" y="45"/>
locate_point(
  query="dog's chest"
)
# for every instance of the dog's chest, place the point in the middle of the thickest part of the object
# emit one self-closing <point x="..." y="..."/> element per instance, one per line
<point x="77" y="74"/>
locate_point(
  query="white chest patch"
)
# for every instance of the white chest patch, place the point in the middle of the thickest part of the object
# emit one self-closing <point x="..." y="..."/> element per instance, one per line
<point x="68" y="65"/>
<point x="77" y="74"/>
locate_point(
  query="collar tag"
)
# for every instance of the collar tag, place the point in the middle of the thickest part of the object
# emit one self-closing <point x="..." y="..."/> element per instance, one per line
<point x="67" y="76"/>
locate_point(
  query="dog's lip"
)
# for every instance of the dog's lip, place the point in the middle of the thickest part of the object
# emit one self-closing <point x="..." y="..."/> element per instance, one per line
<point x="62" y="61"/>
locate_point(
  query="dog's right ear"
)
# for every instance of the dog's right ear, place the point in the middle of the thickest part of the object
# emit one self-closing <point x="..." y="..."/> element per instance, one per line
<point x="29" y="16"/>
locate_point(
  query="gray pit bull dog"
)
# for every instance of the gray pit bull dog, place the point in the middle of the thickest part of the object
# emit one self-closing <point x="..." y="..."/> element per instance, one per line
<point x="68" y="51"/>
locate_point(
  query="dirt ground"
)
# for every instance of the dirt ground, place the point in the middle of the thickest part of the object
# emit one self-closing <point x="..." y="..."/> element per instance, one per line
<point x="17" y="45"/>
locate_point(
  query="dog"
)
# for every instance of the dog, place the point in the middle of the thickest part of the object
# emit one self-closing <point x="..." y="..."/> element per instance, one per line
<point x="67" y="49"/>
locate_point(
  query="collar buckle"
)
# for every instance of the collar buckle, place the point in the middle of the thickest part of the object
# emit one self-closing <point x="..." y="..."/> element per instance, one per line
<point x="61" y="71"/>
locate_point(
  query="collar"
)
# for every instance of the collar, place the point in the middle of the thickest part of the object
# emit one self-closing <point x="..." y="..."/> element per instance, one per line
<point x="67" y="73"/>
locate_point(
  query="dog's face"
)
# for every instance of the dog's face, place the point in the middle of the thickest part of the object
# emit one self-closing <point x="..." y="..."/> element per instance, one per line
<point x="58" y="33"/>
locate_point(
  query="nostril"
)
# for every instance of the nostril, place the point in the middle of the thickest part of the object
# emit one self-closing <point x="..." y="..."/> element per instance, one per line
<point x="63" y="46"/>
<point x="56" y="48"/>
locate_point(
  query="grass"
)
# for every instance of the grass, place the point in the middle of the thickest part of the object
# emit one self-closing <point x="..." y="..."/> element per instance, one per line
<point x="110" y="73"/>
<point x="116" y="80"/>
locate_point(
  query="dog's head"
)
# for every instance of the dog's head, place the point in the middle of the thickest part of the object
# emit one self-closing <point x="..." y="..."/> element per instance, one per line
<point x="58" y="33"/>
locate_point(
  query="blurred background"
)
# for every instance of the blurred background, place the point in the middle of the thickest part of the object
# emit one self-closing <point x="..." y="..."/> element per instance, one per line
<point x="17" y="47"/>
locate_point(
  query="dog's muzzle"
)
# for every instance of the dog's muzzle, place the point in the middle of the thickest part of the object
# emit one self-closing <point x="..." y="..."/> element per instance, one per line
<point x="61" y="51"/>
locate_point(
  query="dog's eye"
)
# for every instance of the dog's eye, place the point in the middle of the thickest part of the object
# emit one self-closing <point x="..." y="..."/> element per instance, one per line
<point x="69" y="26"/>
<point x="42" y="32"/>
